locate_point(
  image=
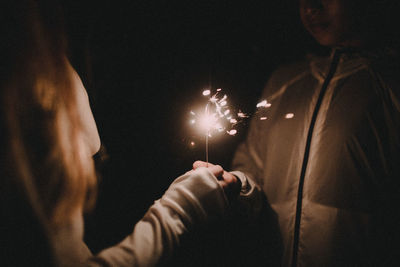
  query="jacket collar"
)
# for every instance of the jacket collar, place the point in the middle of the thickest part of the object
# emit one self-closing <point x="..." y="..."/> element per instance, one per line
<point x="351" y="61"/>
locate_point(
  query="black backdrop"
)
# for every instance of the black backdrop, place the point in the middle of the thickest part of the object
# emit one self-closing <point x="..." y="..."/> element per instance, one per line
<point x="144" y="64"/>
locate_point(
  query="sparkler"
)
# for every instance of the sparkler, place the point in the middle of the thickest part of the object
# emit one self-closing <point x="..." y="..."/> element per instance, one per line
<point x="216" y="117"/>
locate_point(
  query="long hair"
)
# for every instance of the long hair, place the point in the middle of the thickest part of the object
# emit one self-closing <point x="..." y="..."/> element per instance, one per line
<point x="43" y="159"/>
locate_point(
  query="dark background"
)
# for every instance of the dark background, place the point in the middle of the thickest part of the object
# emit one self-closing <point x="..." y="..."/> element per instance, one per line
<point x="145" y="64"/>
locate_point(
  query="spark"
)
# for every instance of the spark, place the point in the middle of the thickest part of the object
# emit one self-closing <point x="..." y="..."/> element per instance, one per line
<point x="232" y="132"/>
<point x="289" y="115"/>
<point x="217" y="115"/>
<point x="206" y="92"/>
<point x="261" y="108"/>
<point x="242" y="115"/>
<point x="263" y="104"/>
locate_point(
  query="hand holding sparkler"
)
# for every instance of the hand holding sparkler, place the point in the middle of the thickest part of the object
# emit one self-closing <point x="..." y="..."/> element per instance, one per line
<point x="230" y="183"/>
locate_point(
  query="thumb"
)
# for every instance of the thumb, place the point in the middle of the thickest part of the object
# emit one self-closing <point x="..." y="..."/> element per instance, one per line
<point x="199" y="163"/>
<point x="216" y="170"/>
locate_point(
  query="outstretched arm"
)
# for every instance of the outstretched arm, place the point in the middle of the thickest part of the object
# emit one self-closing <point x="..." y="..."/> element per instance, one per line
<point x="193" y="198"/>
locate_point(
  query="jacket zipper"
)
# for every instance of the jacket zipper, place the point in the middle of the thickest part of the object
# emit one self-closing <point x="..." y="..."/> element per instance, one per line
<point x="332" y="70"/>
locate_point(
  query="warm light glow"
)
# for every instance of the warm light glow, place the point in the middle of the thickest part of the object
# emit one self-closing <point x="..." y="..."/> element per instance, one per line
<point x="207" y="122"/>
<point x="263" y="104"/>
<point x="242" y="115"/>
<point x="232" y="132"/>
<point x="289" y="115"/>
<point x="206" y="92"/>
<point x="216" y="116"/>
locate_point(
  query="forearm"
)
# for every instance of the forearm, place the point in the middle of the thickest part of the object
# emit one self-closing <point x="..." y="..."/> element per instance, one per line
<point x="193" y="198"/>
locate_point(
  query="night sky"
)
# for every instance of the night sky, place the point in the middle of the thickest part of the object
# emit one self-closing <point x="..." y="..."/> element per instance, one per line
<point x="145" y="64"/>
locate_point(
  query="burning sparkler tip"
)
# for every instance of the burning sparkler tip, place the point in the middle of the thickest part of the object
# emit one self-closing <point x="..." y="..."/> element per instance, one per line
<point x="217" y="117"/>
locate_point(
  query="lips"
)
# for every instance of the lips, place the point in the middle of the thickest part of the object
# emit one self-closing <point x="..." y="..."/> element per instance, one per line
<point x="317" y="27"/>
<point x="316" y="24"/>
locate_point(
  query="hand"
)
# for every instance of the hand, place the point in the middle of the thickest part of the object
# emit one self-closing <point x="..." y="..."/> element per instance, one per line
<point x="230" y="183"/>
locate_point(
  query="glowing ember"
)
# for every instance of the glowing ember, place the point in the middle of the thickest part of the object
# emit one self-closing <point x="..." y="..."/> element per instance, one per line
<point x="263" y="104"/>
<point x="289" y="115"/>
<point x="242" y="115"/>
<point x="232" y="132"/>
<point x="217" y="117"/>
<point x="206" y="92"/>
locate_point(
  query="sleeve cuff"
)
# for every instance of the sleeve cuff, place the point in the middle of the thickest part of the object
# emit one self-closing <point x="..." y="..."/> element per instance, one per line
<point x="243" y="179"/>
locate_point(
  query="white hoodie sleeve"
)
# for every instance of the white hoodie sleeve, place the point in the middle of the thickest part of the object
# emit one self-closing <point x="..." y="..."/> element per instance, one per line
<point x="193" y="198"/>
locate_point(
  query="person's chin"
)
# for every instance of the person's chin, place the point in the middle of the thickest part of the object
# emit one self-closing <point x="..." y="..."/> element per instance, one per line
<point x="324" y="38"/>
<point x="320" y="34"/>
<point x="325" y="42"/>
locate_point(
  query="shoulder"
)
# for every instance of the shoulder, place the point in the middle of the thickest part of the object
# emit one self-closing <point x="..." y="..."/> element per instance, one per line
<point x="285" y="75"/>
<point x="386" y="69"/>
<point x="290" y="70"/>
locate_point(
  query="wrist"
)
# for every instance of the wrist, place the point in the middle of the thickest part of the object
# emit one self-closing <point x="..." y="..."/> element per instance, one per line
<point x="244" y="185"/>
